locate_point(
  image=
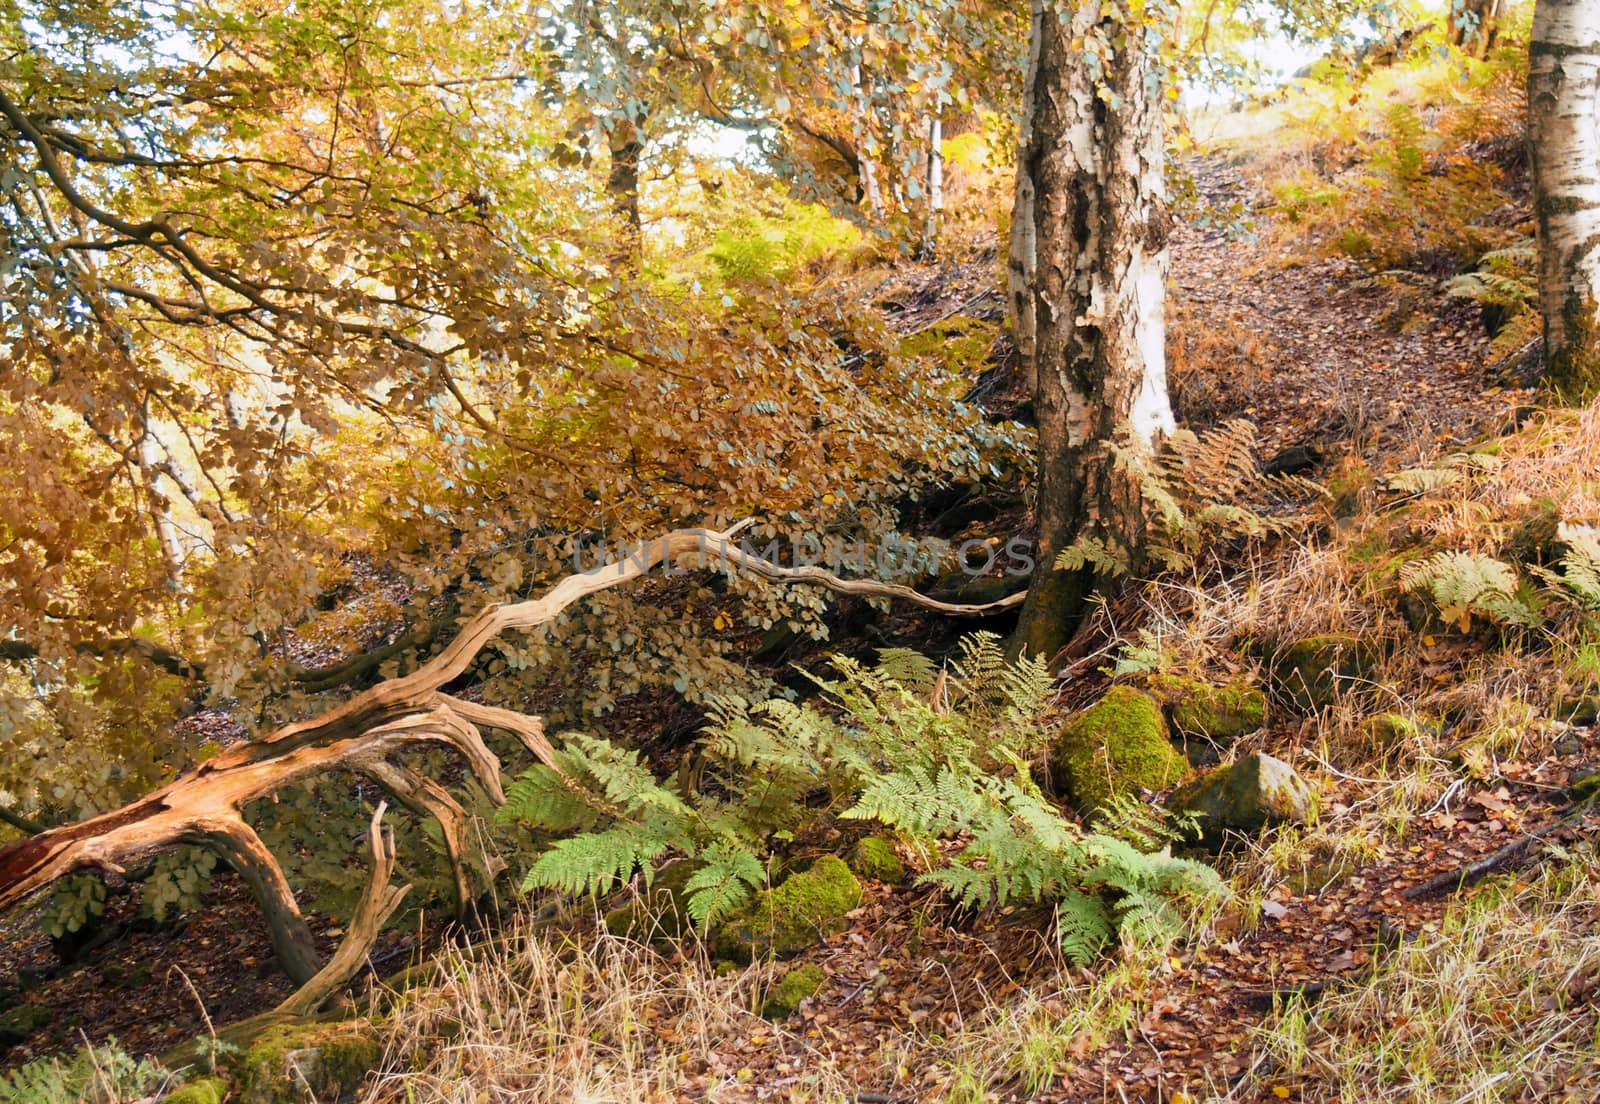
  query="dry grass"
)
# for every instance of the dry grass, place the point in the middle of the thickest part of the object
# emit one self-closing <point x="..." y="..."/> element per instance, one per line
<point x="1495" y="1005"/>
<point x="545" y="1017"/>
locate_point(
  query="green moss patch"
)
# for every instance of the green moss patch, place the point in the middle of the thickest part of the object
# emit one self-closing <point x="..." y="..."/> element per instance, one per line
<point x="660" y="912"/>
<point x="783" y="921"/>
<point x="784" y="998"/>
<point x="1117" y="746"/>
<point x="1218" y="713"/>
<point x="330" y="1059"/>
<point x="876" y="857"/>
<point x="20" y="1021"/>
<point x="1311" y="674"/>
<point x="207" y="1090"/>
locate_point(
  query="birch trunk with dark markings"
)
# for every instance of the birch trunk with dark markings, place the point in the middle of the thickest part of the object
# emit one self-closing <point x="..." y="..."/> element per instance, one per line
<point x="1092" y="177"/>
<point x="1564" y="152"/>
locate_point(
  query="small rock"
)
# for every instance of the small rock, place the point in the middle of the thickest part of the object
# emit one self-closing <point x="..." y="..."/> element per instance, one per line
<point x="20" y="1021"/>
<point x="1567" y="745"/>
<point x="1117" y="746"/>
<point x="1583" y="712"/>
<point x="1583" y="783"/>
<point x="1312" y="674"/>
<point x="207" y="1090"/>
<point x="1246" y="796"/>
<point x="329" y="1060"/>
<point x="799" y="984"/>
<point x="1215" y="714"/>
<point x="785" y="920"/>
<point x="876" y="857"/>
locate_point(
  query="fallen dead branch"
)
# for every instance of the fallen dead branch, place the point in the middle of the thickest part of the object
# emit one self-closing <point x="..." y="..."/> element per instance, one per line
<point x="368" y="734"/>
<point x="1514" y="852"/>
<point x="377" y="904"/>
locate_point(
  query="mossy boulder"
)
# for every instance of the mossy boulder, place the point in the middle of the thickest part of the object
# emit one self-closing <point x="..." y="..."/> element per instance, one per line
<point x="207" y="1090"/>
<point x="287" y="1060"/>
<point x="785" y="920"/>
<point x="1583" y="712"/>
<point x="1389" y="732"/>
<point x="20" y="1021"/>
<point x="1220" y="714"/>
<point x="1117" y="746"/>
<point x="658" y="912"/>
<point x="878" y="858"/>
<point x="1311" y="674"/>
<point x="1351" y="486"/>
<point x="1245" y="796"/>
<point x="784" y="998"/>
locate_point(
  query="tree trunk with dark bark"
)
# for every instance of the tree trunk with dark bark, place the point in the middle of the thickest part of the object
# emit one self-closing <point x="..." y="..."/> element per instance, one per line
<point x="1475" y="25"/>
<point x="1093" y="163"/>
<point x="622" y="185"/>
<point x="1564" y="151"/>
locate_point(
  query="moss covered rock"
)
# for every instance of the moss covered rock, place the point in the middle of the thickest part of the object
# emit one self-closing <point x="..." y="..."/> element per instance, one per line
<point x="1582" y="712"/>
<point x="785" y="920"/>
<point x="878" y="858"/>
<point x="207" y="1090"/>
<point x="1311" y="674"/>
<point x="1389" y="732"/>
<point x="1221" y="714"/>
<point x="20" y="1021"/>
<point x="1117" y="746"/>
<point x="329" y="1059"/>
<point x="1245" y="796"/>
<point x="784" y="998"/>
<point x="659" y="912"/>
<point x="1351" y="486"/>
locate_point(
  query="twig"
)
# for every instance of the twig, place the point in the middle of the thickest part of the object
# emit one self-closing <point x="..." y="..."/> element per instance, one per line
<point x="1474" y="872"/>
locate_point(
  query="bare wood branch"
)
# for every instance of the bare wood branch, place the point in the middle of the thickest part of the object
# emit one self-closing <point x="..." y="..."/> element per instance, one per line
<point x="377" y="904"/>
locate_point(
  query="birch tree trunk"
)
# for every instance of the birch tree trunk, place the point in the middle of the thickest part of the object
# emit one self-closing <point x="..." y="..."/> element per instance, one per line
<point x="1022" y="247"/>
<point x="935" y="186"/>
<point x="1094" y="164"/>
<point x="1564" y="151"/>
<point x="622" y="184"/>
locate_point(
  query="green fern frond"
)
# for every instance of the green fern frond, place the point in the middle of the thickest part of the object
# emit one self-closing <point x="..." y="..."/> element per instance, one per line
<point x="727" y="873"/>
<point x="1464" y="583"/>
<point x="1577" y="575"/>
<point x="542" y="797"/>
<point x="908" y="667"/>
<point x="595" y="862"/>
<point x="1083" y="926"/>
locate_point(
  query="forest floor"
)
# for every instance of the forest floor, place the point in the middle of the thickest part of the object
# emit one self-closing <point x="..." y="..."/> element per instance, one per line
<point x="1322" y="359"/>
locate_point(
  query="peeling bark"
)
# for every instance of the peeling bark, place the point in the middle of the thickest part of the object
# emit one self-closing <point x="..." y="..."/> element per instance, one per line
<point x="1099" y="230"/>
<point x="1564" y="151"/>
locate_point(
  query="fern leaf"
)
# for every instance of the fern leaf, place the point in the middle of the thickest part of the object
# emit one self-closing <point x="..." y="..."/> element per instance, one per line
<point x="595" y="861"/>
<point x="1083" y="926"/>
<point x="727" y="873"/>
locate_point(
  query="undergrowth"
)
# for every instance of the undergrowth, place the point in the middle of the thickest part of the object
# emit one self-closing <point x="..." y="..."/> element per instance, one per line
<point x="938" y="754"/>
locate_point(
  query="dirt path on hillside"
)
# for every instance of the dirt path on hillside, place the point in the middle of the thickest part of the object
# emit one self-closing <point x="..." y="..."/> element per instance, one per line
<point x="1314" y="350"/>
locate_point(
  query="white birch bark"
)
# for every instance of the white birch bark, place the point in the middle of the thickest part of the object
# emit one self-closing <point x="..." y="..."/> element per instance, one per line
<point x="1022" y="250"/>
<point x="1094" y="163"/>
<point x="1564" y="148"/>
<point x="935" y="185"/>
